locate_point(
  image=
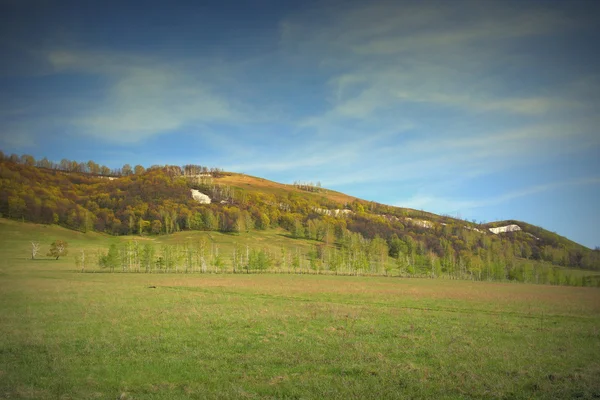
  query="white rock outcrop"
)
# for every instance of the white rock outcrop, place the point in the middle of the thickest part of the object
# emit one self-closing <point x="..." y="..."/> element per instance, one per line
<point x="333" y="213"/>
<point x="420" y="222"/>
<point x="200" y="197"/>
<point x="507" y="228"/>
<point x="535" y="237"/>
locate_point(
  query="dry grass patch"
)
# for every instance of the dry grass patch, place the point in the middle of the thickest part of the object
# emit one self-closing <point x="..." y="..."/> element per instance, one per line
<point x="261" y="185"/>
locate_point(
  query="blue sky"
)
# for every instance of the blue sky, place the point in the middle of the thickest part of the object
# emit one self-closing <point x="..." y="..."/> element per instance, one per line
<point x="483" y="110"/>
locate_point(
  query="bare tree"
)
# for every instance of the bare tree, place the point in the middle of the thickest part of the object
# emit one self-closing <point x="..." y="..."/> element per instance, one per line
<point x="80" y="260"/>
<point x="35" y="248"/>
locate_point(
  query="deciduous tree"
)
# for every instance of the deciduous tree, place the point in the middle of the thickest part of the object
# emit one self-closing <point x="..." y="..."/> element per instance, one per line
<point x="58" y="248"/>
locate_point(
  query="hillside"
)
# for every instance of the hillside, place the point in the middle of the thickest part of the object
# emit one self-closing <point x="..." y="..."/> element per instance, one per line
<point x="261" y="185"/>
<point x="344" y="232"/>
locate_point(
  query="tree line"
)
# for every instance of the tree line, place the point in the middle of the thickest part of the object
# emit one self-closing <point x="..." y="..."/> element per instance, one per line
<point x="93" y="168"/>
<point x="354" y="256"/>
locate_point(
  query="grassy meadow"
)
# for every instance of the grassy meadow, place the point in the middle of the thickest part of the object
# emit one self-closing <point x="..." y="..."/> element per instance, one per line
<point x="71" y="335"/>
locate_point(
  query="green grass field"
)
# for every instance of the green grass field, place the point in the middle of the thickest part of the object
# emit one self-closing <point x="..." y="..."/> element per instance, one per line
<point x="68" y="335"/>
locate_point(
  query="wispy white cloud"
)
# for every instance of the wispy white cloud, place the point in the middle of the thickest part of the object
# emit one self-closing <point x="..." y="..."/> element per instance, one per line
<point x="401" y="157"/>
<point x="427" y="50"/>
<point x="13" y="137"/>
<point x="145" y="96"/>
<point x="452" y="205"/>
<point x="435" y="77"/>
<point x="430" y="29"/>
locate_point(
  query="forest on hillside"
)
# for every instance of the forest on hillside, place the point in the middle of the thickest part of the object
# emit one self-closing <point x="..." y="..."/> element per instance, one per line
<point x="157" y="200"/>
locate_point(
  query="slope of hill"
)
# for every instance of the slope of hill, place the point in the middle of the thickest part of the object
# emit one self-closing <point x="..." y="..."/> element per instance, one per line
<point x="260" y="185"/>
<point x="366" y="235"/>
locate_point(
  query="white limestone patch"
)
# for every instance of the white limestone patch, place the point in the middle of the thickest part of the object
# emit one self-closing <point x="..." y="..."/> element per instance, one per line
<point x="504" y="229"/>
<point x="342" y="212"/>
<point x="391" y="218"/>
<point x="333" y="213"/>
<point x="424" y="224"/>
<point x="420" y="222"/>
<point x="535" y="237"/>
<point x="200" y="197"/>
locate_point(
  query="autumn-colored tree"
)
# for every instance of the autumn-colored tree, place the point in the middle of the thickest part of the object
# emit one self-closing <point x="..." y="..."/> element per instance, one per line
<point x="139" y="170"/>
<point x="58" y="248"/>
<point x="16" y="207"/>
<point x="92" y="167"/>
<point x="156" y="226"/>
<point x="27" y="159"/>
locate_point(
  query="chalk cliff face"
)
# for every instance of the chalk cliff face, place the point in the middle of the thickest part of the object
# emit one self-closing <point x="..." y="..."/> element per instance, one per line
<point x="200" y="197"/>
<point x="507" y="228"/>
